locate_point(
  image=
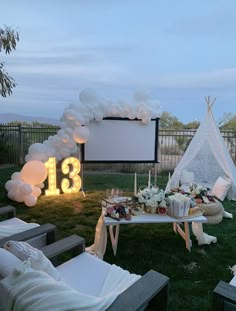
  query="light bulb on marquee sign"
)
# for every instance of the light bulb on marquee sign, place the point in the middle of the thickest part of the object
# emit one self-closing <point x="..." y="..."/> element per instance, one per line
<point x="69" y="166"/>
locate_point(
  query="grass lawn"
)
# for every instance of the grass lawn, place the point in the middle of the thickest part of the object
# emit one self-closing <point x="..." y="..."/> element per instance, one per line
<point x="193" y="276"/>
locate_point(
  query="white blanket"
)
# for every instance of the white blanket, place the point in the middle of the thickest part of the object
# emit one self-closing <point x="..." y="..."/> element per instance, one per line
<point x="30" y="290"/>
<point x="100" y="241"/>
<point x="8" y="230"/>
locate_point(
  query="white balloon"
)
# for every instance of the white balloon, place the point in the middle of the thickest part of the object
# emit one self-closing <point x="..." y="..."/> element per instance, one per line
<point x="30" y="200"/>
<point x="61" y="133"/>
<point x="81" y="134"/>
<point x="16" y="185"/>
<point x="39" y="157"/>
<point x="34" y="172"/>
<point x="16" y="176"/>
<point x="37" y="148"/>
<point x="19" y="197"/>
<point x="69" y="131"/>
<point x="99" y="117"/>
<point x="131" y="115"/>
<point x="41" y="185"/>
<point x="8" y="185"/>
<point x="36" y="192"/>
<point x="70" y="144"/>
<point x="27" y="158"/>
<point x="26" y="189"/>
<point x="146" y="120"/>
<point x="11" y="195"/>
<point x="64" y="152"/>
<point x="69" y="114"/>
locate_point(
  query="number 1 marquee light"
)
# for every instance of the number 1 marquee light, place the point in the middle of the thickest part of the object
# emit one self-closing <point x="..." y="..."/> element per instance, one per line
<point x="69" y="166"/>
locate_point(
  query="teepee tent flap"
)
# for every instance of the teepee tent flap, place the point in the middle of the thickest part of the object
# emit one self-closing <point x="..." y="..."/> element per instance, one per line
<point x="207" y="157"/>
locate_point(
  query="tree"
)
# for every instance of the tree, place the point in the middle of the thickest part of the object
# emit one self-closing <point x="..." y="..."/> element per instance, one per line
<point x="192" y="125"/>
<point x="8" y="40"/>
<point x="228" y="121"/>
<point x="167" y="121"/>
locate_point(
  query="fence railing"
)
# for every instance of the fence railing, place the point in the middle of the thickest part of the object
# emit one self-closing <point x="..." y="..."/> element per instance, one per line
<point x="16" y="140"/>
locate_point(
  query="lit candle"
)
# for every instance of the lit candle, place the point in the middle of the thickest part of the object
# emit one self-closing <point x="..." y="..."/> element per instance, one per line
<point x="149" y="179"/>
<point x="135" y="184"/>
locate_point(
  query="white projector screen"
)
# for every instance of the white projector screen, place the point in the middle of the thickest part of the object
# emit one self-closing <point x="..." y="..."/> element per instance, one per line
<point x="121" y="140"/>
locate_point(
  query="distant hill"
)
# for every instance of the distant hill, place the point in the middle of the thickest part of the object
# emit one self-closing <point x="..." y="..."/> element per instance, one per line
<point x="11" y="117"/>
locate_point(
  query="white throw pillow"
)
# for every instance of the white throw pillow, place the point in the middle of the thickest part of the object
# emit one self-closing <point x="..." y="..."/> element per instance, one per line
<point x="39" y="261"/>
<point x="221" y="188"/>
<point x="8" y="262"/>
<point x="186" y="177"/>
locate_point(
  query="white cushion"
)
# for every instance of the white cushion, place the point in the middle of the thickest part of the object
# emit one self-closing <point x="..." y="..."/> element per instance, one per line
<point x="186" y="177"/>
<point x="233" y="281"/>
<point x="85" y="273"/>
<point x="39" y="261"/>
<point x="8" y="262"/>
<point x="11" y="222"/>
<point x="220" y="188"/>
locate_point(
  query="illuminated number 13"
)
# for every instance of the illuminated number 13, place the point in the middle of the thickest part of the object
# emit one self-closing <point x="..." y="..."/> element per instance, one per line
<point x="69" y="166"/>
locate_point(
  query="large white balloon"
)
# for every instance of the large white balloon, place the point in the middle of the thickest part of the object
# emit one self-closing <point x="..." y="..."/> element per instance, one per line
<point x="34" y="172"/>
<point x="81" y="134"/>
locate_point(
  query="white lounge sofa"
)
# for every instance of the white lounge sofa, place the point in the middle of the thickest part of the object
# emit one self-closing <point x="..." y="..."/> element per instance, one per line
<point x="86" y="274"/>
<point x="37" y="236"/>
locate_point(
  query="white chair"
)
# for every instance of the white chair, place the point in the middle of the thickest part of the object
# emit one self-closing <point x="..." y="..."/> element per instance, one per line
<point x="151" y="291"/>
<point x="86" y="274"/>
<point x="36" y="236"/>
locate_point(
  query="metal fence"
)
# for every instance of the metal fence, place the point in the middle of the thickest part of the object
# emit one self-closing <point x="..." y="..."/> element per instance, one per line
<point x="16" y="140"/>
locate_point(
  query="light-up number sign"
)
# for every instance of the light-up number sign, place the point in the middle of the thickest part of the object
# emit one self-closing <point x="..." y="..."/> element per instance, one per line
<point x="73" y="174"/>
<point x="52" y="177"/>
<point x="69" y="166"/>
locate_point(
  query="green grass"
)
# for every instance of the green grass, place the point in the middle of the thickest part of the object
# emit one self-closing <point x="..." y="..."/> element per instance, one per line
<point x="193" y="276"/>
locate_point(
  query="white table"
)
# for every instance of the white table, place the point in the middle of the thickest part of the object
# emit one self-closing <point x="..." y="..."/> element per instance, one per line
<point x="181" y="226"/>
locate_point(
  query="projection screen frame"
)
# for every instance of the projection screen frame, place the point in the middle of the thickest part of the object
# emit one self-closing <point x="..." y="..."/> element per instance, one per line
<point x="155" y="142"/>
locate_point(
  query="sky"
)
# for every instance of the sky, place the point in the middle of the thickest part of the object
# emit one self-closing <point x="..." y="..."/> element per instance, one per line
<point x="179" y="51"/>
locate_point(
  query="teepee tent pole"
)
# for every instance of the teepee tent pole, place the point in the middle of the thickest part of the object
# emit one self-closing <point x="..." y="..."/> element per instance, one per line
<point x="209" y="103"/>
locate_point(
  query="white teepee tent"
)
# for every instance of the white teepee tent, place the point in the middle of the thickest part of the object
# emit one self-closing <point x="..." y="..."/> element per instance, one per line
<point x="207" y="157"/>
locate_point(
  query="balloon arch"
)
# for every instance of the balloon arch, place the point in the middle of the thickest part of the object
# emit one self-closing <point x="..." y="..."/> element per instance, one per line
<point x="26" y="185"/>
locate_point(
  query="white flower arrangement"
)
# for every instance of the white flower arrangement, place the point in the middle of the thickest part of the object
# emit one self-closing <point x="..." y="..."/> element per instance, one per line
<point x="152" y="196"/>
<point x="197" y="190"/>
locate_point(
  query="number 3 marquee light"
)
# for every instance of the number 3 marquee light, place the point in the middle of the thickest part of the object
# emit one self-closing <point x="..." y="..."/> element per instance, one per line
<point x="69" y="166"/>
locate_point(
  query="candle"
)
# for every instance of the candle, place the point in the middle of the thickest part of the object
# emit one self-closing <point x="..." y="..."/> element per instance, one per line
<point x="155" y="176"/>
<point x="135" y="184"/>
<point x="149" y="179"/>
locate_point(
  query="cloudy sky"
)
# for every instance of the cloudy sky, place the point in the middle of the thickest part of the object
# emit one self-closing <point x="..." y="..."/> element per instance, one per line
<point x="178" y="51"/>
